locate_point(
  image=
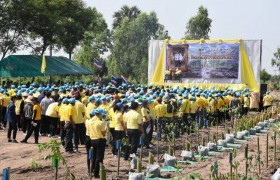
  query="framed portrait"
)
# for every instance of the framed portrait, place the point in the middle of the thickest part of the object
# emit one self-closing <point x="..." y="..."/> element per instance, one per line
<point x="177" y="57"/>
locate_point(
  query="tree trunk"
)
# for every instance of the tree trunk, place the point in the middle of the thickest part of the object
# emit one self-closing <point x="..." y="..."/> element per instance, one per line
<point x="51" y="50"/>
<point x="70" y="55"/>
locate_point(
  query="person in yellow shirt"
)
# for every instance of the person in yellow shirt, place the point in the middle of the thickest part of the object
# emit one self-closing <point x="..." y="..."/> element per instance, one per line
<point x="19" y="103"/>
<point x="201" y="111"/>
<point x="159" y="112"/>
<point x="69" y="116"/>
<point x="35" y="123"/>
<point x="220" y="104"/>
<point x="53" y="115"/>
<point x="97" y="133"/>
<point x="90" y="106"/>
<point x="267" y="100"/>
<point x="5" y="102"/>
<point x="112" y="126"/>
<point x="194" y="108"/>
<point x="185" y="109"/>
<point x="12" y="91"/>
<point x="147" y="124"/>
<point x="211" y="110"/>
<point x="120" y="128"/>
<point x="79" y="132"/>
<point x="246" y="103"/>
<point x="134" y="126"/>
<point x="88" y="140"/>
<point x="168" y="109"/>
<point x="62" y="112"/>
<point x="85" y="98"/>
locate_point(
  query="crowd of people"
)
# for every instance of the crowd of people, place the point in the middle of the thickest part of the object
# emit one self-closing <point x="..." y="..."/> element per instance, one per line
<point x="83" y="114"/>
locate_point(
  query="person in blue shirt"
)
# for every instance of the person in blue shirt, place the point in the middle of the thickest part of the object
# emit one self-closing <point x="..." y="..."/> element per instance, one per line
<point x="10" y="117"/>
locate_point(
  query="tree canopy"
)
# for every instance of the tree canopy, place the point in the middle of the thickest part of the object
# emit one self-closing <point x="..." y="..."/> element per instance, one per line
<point x="125" y="12"/>
<point x="12" y="29"/>
<point x="199" y="26"/>
<point x="265" y="76"/>
<point x="275" y="61"/>
<point x="129" y="53"/>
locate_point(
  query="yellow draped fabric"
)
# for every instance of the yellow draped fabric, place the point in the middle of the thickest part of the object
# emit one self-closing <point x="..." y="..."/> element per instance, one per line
<point x="159" y="71"/>
<point x="247" y="75"/>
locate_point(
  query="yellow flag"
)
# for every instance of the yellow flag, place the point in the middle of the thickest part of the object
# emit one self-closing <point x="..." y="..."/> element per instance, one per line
<point x="44" y="65"/>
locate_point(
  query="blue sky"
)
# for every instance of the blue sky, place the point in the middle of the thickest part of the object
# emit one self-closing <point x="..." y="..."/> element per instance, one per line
<point x="245" y="19"/>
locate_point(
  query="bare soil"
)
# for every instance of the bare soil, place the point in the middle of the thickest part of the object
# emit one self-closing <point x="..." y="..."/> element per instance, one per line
<point x="19" y="156"/>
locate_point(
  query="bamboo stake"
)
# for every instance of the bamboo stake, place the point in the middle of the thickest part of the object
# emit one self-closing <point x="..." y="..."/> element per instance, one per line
<point x="259" y="156"/>
<point x="267" y="150"/>
<point x="246" y="156"/>
<point x="275" y="146"/>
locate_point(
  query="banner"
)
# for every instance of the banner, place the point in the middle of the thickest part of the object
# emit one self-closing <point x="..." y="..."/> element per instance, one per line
<point x="204" y="60"/>
<point x="206" y="63"/>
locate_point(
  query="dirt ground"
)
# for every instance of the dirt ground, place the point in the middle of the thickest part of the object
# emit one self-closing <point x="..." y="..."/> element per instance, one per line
<point x="19" y="156"/>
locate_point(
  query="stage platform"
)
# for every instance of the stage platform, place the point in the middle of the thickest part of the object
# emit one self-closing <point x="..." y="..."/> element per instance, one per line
<point x="210" y="86"/>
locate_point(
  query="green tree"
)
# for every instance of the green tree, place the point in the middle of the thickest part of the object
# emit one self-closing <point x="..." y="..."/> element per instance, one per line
<point x="96" y="42"/>
<point x="55" y="23"/>
<point x="72" y="28"/>
<point x="265" y="76"/>
<point x="276" y="60"/>
<point x="130" y="48"/>
<point x="125" y="11"/>
<point x="12" y="29"/>
<point x="199" y="26"/>
<point x="43" y="18"/>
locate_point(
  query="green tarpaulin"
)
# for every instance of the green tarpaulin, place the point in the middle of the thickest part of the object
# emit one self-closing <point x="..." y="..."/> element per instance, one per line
<point x="30" y="66"/>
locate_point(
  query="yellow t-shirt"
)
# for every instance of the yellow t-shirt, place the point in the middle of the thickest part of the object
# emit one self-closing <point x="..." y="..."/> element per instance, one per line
<point x="62" y="111"/>
<point x="166" y="114"/>
<point x="211" y="105"/>
<point x="87" y="124"/>
<point x="267" y="100"/>
<point x="187" y="105"/>
<point x="246" y="102"/>
<point x="200" y="102"/>
<point x="106" y="108"/>
<point x="112" y="118"/>
<point x="145" y="113"/>
<point x="133" y="119"/>
<point x="220" y="103"/>
<point x="11" y="92"/>
<point x="118" y="121"/>
<point x="52" y="110"/>
<point x="194" y="107"/>
<point x="90" y="107"/>
<point x="17" y="104"/>
<point x="152" y="110"/>
<point x="69" y="111"/>
<point x="159" y="110"/>
<point x="80" y="110"/>
<point x="6" y="101"/>
<point x="96" y="127"/>
<point x="85" y="100"/>
<point x="38" y="112"/>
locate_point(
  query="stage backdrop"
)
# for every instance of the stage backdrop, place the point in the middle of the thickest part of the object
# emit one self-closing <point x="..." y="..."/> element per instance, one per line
<point x="208" y="62"/>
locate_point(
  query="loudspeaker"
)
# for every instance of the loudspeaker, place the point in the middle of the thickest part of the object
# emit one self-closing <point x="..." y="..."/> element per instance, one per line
<point x="262" y="92"/>
<point x="263" y="89"/>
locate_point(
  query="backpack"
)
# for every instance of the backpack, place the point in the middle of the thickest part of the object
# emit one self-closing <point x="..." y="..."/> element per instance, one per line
<point x="169" y="108"/>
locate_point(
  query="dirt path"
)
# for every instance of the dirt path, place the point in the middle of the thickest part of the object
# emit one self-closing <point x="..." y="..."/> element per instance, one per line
<point x="18" y="157"/>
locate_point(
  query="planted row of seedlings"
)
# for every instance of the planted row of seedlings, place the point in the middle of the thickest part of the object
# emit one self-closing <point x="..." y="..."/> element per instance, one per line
<point x="242" y="129"/>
